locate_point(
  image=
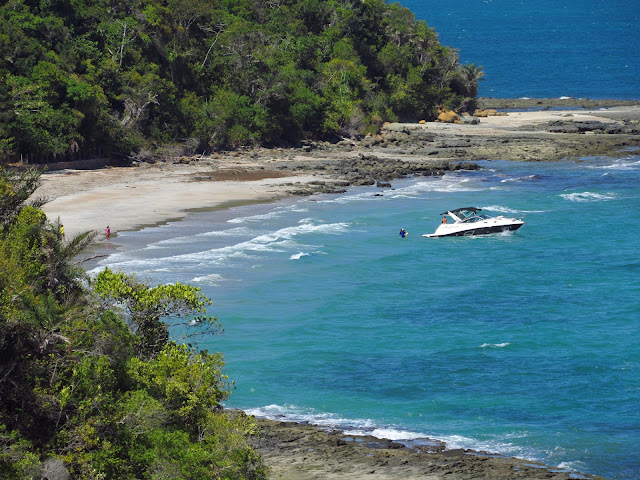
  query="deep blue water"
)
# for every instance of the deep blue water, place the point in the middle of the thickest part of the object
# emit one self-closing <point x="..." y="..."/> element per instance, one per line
<point x="526" y="344"/>
<point x="545" y="48"/>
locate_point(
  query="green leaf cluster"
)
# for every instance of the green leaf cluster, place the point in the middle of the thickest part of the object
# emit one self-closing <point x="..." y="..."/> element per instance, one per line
<point x="98" y="76"/>
<point x="91" y="385"/>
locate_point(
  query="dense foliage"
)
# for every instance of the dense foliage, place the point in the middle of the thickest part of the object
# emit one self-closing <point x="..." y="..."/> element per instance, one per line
<point x="98" y="77"/>
<point x="91" y="387"/>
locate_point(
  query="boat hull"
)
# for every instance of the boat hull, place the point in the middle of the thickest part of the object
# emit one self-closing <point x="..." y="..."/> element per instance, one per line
<point x="476" y="230"/>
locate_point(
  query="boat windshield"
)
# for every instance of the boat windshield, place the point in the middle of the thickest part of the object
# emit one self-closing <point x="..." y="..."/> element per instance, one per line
<point x="471" y="216"/>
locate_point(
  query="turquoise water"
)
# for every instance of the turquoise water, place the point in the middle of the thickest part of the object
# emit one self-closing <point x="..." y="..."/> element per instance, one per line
<point x="526" y="344"/>
<point x="546" y="48"/>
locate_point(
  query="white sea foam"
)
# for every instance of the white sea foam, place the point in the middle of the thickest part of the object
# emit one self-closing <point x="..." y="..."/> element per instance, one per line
<point x="572" y="467"/>
<point x="588" y="196"/>
<point x="364" y="427"/>
<point x="329" y="420"/>
<point x="213" y="279"/>
<point x="358" y="197"/>
<point x="501" y="209"/>
<point x="277" y="212"/>
<point x="495" y="345"/>
<point x="127" y="264"/>
<point x="298" y="256"/>
<point x="390" y="433"/>
<point x="449" y="183"/>
<point x="626" y="163"/>
<point x="520" y="179"/>
<point x="281" y="240"/>
<point x="182" y="240"/>
<point x="257" y="218"/>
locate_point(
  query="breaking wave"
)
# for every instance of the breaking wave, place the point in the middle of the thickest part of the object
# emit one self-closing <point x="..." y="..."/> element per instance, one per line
<point x="588" y="196"/>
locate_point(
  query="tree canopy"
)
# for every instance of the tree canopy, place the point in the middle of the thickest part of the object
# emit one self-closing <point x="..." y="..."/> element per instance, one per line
<point x="91" y="385"/>
<point x="101" y="77"/>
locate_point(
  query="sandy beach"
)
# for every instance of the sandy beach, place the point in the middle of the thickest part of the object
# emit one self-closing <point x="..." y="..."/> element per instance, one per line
<point x="128" y="198"/>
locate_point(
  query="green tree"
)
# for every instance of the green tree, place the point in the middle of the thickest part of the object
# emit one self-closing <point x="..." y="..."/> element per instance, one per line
<point x="96" y="389"/>
<point x="466" y="81"/>
<point x="151" y="311"/>
<point x="16" y="189"/>
<point x="101" y="77"/>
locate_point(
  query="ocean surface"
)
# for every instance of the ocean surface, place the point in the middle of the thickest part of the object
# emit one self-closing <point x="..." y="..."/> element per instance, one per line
<point x="526" y="344"/>
<point x="543" y="48"/>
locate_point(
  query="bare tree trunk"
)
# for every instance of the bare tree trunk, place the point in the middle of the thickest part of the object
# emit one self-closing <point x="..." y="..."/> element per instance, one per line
<point x="124" y="37"/>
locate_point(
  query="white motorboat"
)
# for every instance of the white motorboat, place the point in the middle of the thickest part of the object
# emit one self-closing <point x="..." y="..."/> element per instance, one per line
<point x="468" y="221"/>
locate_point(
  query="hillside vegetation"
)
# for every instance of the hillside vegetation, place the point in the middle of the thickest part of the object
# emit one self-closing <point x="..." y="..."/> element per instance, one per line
<point x="85" y="78"/>
<point x="91" y="386"/>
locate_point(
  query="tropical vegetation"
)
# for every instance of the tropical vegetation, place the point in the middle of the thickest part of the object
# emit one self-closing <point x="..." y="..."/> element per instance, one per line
<point x="99" y="78"/>
<point x="99" y="378"/>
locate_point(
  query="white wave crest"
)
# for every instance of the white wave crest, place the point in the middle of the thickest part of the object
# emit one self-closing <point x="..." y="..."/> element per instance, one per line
<point x="277" y="212"/>
<point x="449" y="183"/>
<point x="213" y="279"/>
<point x="521" y="179"/>
<point x="329" y="420"/>
<point x="626" y="163"/>
<point x="495" y="345"/>
<point x="501" y="209"/>
<point x="588" y="196"/>
<point x="358" y="197"/>
<point x="298" y="256"/>
<point x="256" y="218"/>
<point x="364" y="427"/>
<point x="278" y="241"/>
<point x="576" y="466"/>
<point x="183" y="240"/>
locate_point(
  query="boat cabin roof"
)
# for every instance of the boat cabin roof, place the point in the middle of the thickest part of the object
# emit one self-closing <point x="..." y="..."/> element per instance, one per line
<point x="467" y="214"/>
<point x="456" y="210"/>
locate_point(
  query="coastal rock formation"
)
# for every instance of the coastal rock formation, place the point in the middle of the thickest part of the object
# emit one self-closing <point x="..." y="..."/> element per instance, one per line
<point x="367" y="169"/>
<point x="568" y="136"/>
<point x="556" y="136"/>
<point x="489" y="112"/>
<point x="447" y="116"/>
<point x="305" y="452"/>
<point x="546" y="103"/>
<point x="594" y="126"/>
<point x="430" y="148"/>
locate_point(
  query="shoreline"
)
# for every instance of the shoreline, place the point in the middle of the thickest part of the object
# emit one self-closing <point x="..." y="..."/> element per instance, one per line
<point x="303" y="451"/>
<point x="130" y="198"/>
<point x="526" y="103"/>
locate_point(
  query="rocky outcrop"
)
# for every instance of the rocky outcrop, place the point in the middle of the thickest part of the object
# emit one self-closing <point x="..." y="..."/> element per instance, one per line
<point x="594" y="126"/>
<point x="489" y="112"/>
<point x="372" y="170"/>
<point x="545" y="103"/>
<point x="446" y="115"/>
<point x="429" y="148"/>
<point x="306" y="452"/>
